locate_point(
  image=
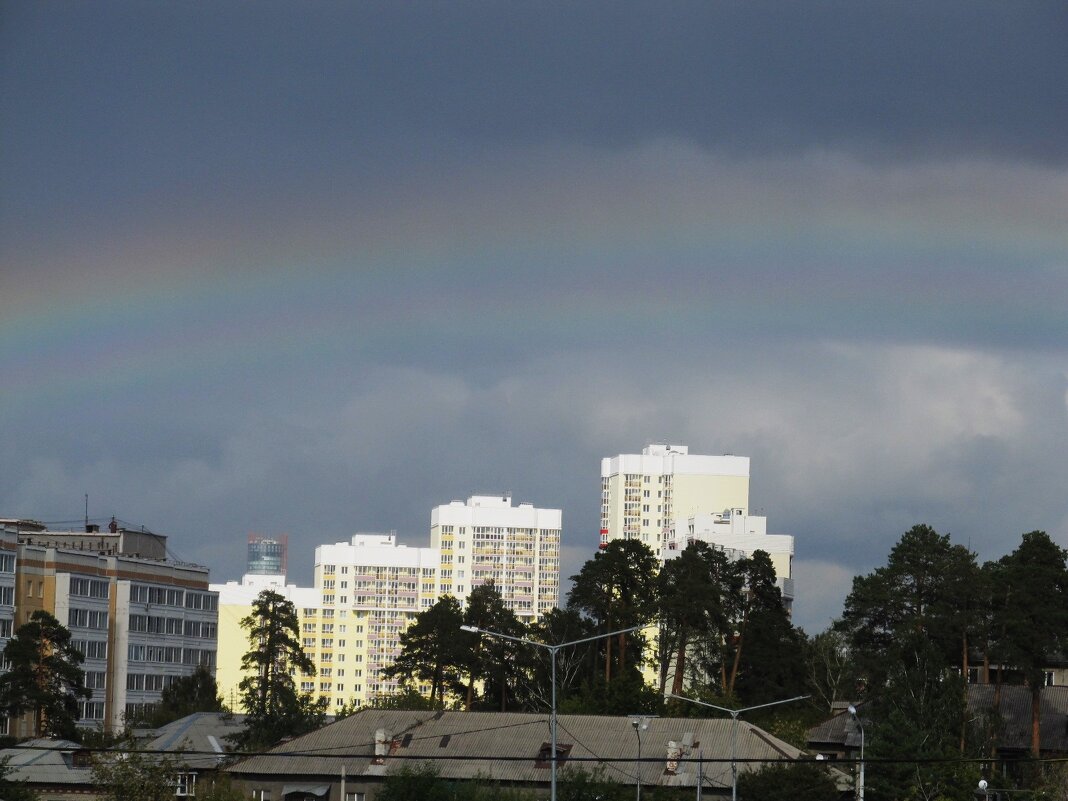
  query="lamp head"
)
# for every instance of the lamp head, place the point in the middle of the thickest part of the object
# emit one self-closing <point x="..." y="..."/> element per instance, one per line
<point x="852" y="710"/>
<point x="472" y="629"/>
<point x="983" y="785"/>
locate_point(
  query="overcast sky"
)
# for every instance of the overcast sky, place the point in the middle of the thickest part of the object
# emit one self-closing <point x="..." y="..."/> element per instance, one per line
<point x="316" y="268"/>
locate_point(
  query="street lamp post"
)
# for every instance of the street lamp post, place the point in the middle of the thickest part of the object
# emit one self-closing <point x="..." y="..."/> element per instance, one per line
<point x="640" y="724"/>
<point x="860" y="782"/>
<point x="552" y="649"/>
<point x="734" y="713"/>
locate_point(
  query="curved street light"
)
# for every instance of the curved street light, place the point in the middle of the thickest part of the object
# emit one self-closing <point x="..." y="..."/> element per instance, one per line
<point x="640" y="724"/>
<point x="552" y="649"/>
<point x="734" y="713"/>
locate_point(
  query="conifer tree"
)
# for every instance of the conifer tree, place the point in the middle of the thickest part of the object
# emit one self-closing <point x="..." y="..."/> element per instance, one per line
<point x="45" y="676"/>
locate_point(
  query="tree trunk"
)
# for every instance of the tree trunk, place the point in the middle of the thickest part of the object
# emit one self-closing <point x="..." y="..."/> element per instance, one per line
<point x="680" y="665"/>
<point x="607" y="660"/>
<point x="1036" y="706"/>
<point x="964" y="673"/>
<point x="471" y="679"/>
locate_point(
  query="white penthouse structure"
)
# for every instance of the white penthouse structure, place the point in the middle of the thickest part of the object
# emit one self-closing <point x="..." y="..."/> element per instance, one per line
<point x="667" y="497"/>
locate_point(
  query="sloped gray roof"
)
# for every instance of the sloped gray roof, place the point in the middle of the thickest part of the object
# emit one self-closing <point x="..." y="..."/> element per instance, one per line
<point x="506" y="746"/>
<point x="841" y="730"/>
<point x="198" y="741"/>
<point x="45" y="761"/>
<point x="1013" y="715"/>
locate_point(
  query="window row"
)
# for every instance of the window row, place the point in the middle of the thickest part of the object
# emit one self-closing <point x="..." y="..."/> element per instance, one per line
<point x="161" y="596"/>
<point x="92" y="649"/>
<point x="88" y="619"/>
<point x="89" y="588"/>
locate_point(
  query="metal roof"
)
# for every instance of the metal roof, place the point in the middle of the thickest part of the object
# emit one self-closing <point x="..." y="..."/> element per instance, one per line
<point x="45" y="761"/>
<point x="506" y="746"/>
<point x="199" y="741"/>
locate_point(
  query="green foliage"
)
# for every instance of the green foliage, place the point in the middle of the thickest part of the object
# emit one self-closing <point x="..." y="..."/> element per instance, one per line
<point x="831" y="672"/>
<point x="768" y="650"/>
<point x="407" y="698"/>
<point x="1030" y="612"/>
<point x="423" y="783"/>
<point x="577" y="784"/>
<point x="617" y="589"/>
<point x="12" y="790"/>
<point x="918" y="716"/>
<point x="432" y="650"/>
<point x="928" y="586"/>
<point x="269" y="695"/>
<point x="415" y="783"/>
<point x="125" y="775"/>
<point x="699" y="595"/>
<point x="621" y="696"/>
<point x="493" y="661"/>
<point x="799" y="781"/>
<point x="197" y="692"/>
<point x="533" y="689"/>
<point x="45" y="677"/>
<point x="219" y="788"/>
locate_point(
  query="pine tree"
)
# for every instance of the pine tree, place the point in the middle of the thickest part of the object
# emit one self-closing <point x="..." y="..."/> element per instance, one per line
<point x="432" y="650"/>
<point x="268" y="694"/>
<point x="45" y="676"/>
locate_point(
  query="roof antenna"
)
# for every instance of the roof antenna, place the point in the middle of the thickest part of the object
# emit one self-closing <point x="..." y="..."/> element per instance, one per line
<point x="87" y="511"/>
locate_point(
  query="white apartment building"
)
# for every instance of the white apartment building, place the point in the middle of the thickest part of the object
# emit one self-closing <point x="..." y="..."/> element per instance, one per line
<point x="667" y="497"/>
<point x="369" y="590"/>
<point x="517" y="547"/>
<point x="643" y="494"/>
<point x="738" y="534"/>
<point x="375" y="587"/>
<point x="366" y="592"/>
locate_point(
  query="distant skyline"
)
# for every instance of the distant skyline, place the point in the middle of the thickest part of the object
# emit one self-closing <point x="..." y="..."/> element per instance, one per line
<point x="316" y="269"/>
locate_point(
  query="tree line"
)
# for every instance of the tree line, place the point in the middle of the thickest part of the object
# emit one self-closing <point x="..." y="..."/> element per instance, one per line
<point x="705" y="622"/>
<point x="911" y="634"/>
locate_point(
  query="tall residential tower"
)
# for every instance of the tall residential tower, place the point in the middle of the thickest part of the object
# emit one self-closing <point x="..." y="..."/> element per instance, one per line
<point x="667" y="497"/>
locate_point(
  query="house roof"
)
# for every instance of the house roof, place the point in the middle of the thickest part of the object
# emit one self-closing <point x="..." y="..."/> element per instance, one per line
<point x="1012" y="719"/>
<point x="199" y="740"/>
<point x="840" y="730"/>
<point x="1013" y="715"/>
<point x="506" y="746"/>
<point x="45" y="761"/>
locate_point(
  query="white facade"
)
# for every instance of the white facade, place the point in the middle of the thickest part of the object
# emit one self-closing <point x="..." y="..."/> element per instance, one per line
<point x="643" y="494"/>
<point x="487" y="539"/>
<point x="370" y="589"/>
<point x="377" y="587"/>
<point x="667" y="497"/>
<point x="739" y="535"/>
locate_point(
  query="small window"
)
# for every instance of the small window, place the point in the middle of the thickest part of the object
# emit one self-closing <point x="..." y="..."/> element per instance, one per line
<point x="563" y="750"/>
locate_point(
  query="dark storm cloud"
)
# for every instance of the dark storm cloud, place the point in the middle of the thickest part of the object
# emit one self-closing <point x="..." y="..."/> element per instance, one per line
<point x="112" y="99"/>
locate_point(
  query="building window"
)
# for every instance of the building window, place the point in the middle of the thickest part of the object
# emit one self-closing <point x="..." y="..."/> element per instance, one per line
<point x="261" y="795"/>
